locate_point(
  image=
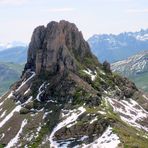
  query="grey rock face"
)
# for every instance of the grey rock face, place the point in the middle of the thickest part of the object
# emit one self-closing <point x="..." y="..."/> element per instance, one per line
<point x="56" y="47"/>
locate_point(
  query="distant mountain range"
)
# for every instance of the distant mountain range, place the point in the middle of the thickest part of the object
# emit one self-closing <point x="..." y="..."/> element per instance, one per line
<point x="113" y="48"/>
<point x="135" y="68"/>
<point x="16" y="54"/>
<point x="12" y="58"/>
<point x="4" y="46"/>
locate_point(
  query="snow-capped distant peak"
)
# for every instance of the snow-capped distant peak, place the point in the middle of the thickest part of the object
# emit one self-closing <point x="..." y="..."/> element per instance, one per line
<point x="15" y="44"/>
<point x="142" y="37"/>
<point x="4" y="46"/>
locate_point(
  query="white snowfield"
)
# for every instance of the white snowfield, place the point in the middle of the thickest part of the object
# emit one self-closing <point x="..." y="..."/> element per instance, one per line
<point x="41" y="90"/>
<point x="130" y="112"/>
<point x="91" y="73"/>
<point x="72" y="117"/>
<point x="14" y="141"/>
<point x="107" y="140"/>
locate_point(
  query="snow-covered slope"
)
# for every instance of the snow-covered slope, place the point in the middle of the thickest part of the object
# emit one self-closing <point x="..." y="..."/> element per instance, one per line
<point x="125" y="115"/>
<point x="133" y="65"/>
<point x="136" y="68"/>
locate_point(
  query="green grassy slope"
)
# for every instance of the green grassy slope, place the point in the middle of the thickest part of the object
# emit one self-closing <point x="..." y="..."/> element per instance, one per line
<point x="9" y="73"/>
<point x="141" y="81"/>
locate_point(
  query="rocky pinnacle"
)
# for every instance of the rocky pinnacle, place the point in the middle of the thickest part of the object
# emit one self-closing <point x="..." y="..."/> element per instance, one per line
<point x="57" y="47"/>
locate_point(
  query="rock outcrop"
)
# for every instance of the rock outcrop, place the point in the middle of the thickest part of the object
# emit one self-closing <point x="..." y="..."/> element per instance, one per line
<point x="57" y="47"/>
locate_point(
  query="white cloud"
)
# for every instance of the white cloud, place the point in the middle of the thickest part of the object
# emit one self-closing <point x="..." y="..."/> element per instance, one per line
<point x="59" y="9"/>
<point x="137" y="10"/>
<point x="12" y="2"/>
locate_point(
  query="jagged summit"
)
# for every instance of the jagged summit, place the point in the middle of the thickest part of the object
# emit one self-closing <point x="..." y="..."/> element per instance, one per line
<point x="57" y="47"/>
<point x="66" y="98"/>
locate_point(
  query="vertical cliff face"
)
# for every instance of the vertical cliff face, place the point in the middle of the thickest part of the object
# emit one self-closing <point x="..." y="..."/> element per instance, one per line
<point x="57" y="47"/>
<point x="65" y="98"/>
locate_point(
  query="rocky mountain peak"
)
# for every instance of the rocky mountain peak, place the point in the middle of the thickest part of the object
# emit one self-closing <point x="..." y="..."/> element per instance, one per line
<point x="55" y="47"/>
<point x="65" y="98"/>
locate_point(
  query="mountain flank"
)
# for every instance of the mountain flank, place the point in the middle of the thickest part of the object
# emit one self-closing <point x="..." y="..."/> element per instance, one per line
<point x="66" y="98"/>
<point x="9" y="73"/>
<point x="135" y="68"/>
<point x="17" y="55"/>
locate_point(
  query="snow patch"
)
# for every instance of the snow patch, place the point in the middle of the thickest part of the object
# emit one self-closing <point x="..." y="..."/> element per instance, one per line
<point x="145" y="97"/>
<point x="102" y="112"/>
<point x="9" y="129"/>
<point x="30" y="137"/>
<point x="41" y="90"/>
<point x="52" y="101"/>
<point x="29" y="100"/>
<point x="91" y="73"/>
<point x="130" y="112"/>
<point x="10" y="95"/>
<point x="46" y="113"/>
<point x="16" y="138"/>
<point x="95" y="119"/>
<point x="3" y="135"/>
<point x="107" y="140"/>
<point x="102" y="72"/>
<point x="16" y="109"/>
<point x="2" y="102"/>
<point x="26" y="91"/>
<point x="3" y="114"/>
<point x="74" y="114"/>
<point x="72" y="124"/>
<point x="38" y="130"/>
<point x="24" y="82"/>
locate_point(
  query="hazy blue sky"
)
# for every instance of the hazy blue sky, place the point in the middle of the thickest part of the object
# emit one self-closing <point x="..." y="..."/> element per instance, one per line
<point x="18" y="18"/>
